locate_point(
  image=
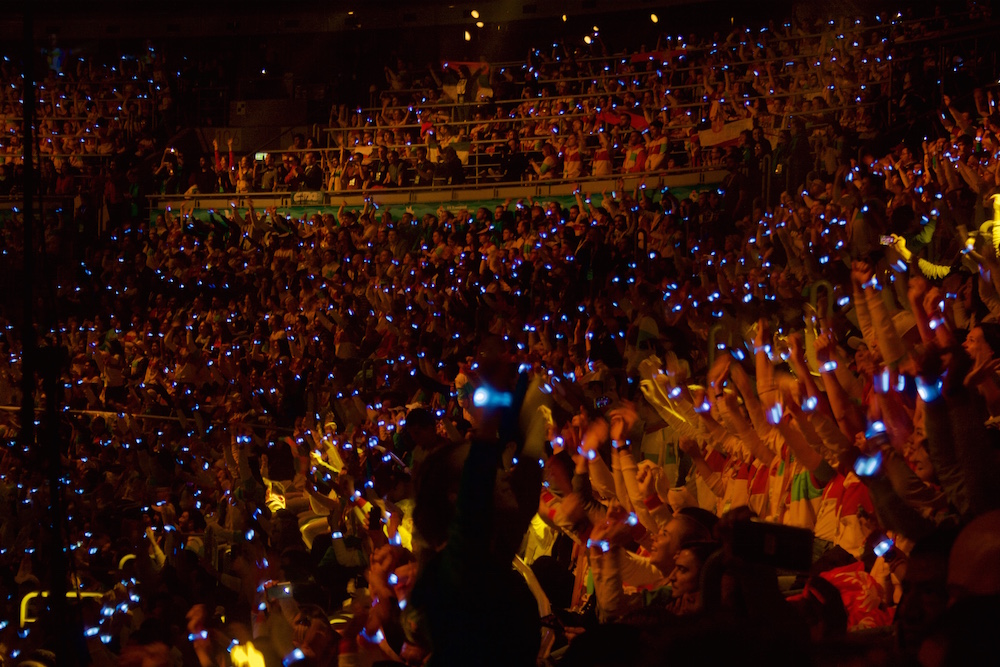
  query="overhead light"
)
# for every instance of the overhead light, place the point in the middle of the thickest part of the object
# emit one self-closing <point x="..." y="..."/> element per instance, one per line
<point x="595" y="28"/>
<point x="350" y="13"/>
<point x="654" y="18"/>
<point x="587" y="39"/>
<point x="475" y="14"/>
<point x="564" y="18"/>
<point x="468" y="36"/>
<point x="479" y="24"/>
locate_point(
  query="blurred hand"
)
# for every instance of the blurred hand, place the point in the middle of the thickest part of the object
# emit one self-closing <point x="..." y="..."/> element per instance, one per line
<point x="932" y="299"/>
<point x="823" y="345"/>
<point x="761" y="338"/>
<point x="597" y="433"/>
<point x="690" y="447"/>
<point x="647" y="477"/>
<point x="861" y="272"/>
<point x="622" y="420"/>
<point x="916" y="289"/>
<point x="571" y="508"/>
<point x="613" y="528"/>
<point x="796" y="347"/>
<point x="721" y="367"/>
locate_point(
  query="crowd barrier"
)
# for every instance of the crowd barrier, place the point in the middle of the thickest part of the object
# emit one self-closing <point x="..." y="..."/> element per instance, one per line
<point x="681" y="183"/>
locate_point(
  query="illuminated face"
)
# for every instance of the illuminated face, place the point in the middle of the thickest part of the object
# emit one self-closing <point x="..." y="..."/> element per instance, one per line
<point x="684" y="579"/>
<point x="921" y="461"/>
<point x="866" y="362"/>
<point x="665" y="545"/>
<point x="975" y="345"/>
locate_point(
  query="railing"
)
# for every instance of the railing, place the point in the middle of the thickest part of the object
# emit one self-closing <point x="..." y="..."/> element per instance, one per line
<point x="574" y="97"/>
<point x="441" y="194"/>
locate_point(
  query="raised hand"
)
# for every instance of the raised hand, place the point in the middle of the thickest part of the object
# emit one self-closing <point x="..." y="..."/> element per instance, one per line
<point x="824" y="347"/>
<point x="861" y="272"/>
<point x="690" y="447"/>
<point x="648" y="476"/>
<point x="597" y="433"/>
<point x="622" y="420"/>
<point x="916" y="289"/>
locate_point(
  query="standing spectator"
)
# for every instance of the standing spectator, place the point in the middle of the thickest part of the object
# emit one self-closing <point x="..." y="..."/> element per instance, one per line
<point x="295" y="178"/>
<point x="355" y="177"/>
<point x="378" y="167"/>
<point x="267" y="174"/>
<point x="423" y="169"/>
<point x="224" y="167"/>
<point x="397" y="173"/>
<point x="450" y="168"/>
<point x="549" y="166"/>
<point x="635" y="155"/>
<point x="513" y="163"/>
<point x="205" y="178"/>
<point x="656" y="147"/>
<point x="312" y="177"/>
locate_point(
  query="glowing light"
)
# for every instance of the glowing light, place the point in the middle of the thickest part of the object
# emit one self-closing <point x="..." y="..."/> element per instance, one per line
<point x="587" y="39"/>
<point x="479" y="24"/>
<point x="475" y="14"/>
<point x="468" y="36"/>
<point x="654" y="18"/>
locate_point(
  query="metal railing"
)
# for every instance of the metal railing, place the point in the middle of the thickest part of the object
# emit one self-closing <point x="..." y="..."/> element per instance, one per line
<point x="445" y="194"/>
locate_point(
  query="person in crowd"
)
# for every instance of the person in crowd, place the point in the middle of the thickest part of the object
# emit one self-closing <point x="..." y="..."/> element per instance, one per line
<point x="442" y="436"/>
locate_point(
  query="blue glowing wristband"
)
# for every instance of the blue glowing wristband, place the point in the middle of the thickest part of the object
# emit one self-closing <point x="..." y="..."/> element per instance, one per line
<point x="866" y="466"/>
<point x="603" y="545"/>
<point x="294" y="657"/>
<point x="377" y="638"/>
<point x="928" y="391"/>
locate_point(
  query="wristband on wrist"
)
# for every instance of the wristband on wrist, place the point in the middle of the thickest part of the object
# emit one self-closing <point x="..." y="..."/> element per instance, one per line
<point x="928" y="391"/>
<point x="603" y="545"/>
<point x="295" y="656"/>
<point x="619" y="444"/>
<point x="376" y="638"/>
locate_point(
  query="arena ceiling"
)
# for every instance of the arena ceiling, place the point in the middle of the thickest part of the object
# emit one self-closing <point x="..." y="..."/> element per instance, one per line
<point x="155" y="18"/>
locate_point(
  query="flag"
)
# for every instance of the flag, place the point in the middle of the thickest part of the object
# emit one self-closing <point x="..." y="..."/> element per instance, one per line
<point x="725" y="134"/>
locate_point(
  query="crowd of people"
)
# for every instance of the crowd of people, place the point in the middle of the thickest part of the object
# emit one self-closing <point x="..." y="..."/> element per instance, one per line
<point x="578" y="110"/>
<point x="633" y="430"/>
